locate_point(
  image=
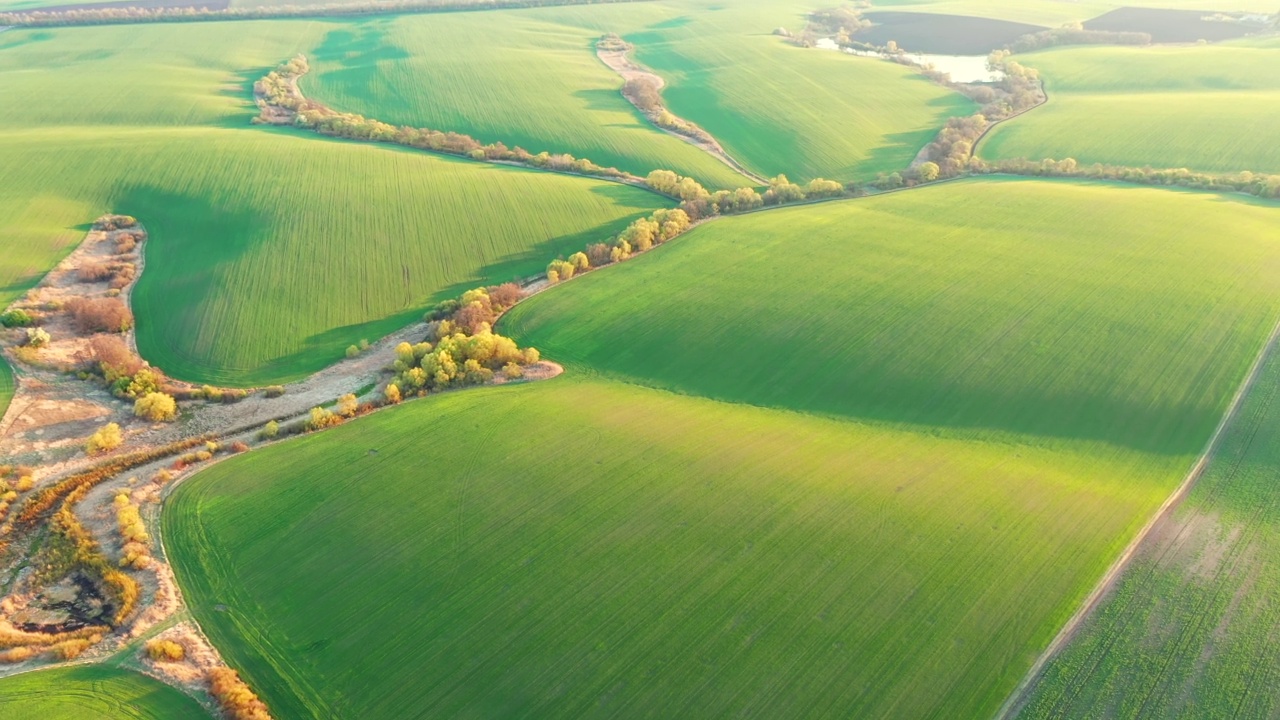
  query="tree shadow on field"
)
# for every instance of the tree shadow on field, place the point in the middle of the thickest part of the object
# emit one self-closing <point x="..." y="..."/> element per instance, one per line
<point x="240" y="89"/>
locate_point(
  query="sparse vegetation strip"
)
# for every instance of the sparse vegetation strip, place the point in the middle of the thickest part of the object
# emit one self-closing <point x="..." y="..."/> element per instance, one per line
<point x="282" y="103"/>
<point x="643" y="89"/>
<point x="131" y="15"/>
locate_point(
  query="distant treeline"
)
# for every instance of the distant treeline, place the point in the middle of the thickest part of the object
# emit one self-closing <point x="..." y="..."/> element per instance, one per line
<point x="120" y="15"/>
<point x="1077" y="36"/>
<point x="1261" y="185"/>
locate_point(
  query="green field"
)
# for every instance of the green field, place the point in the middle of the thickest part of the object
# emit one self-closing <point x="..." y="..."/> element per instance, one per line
<point x="1204" y="108"/>
<point x="1191" y="628"/>
<point x="812" y="114"/>
<point x="560" y="548"/>
<point x="92" y="692"/>
<point x="928" y="308"/>
<point x="582" y="548"/>
<point x="272" y="250"/>
<point x="541" y="88"/>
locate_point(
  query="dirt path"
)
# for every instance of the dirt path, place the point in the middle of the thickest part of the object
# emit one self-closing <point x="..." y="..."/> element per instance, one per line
<point x="620" y="62"/>
<point x="1014" y="703"/>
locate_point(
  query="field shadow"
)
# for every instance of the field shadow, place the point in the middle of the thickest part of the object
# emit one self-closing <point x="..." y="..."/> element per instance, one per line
<point x="240" y="90"/>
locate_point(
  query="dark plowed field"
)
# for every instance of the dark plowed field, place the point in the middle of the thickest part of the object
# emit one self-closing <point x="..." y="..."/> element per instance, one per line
<point x="942" y="34"/>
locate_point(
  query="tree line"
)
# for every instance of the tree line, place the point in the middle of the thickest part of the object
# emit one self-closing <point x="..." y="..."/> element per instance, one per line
<point x="278" y="91"/>
<point x="120" y="15"/>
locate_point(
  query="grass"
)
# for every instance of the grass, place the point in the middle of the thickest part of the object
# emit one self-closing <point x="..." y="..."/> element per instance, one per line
<point x="584" y="548"/>
<point x="1191" y="627"/>
<point x="811" y="114"/>
<point x="946" y="468"/>
<point x="541" y="88"/>
<point x="271" y="250"/>
<point x="1076" y="311"/>
<point x="92" y="691"/>
<point x="1203" y="108"/>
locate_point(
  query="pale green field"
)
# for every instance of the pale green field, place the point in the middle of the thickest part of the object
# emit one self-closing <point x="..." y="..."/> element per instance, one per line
<point x="540" y="88"/>
<point x="272" y="250"/>
<point x="809" y="114"/>
<point x="92" y="692"/>
<point x="1204" y="108"/>
<point x="1074" y="311"/>
<point x="1190" y="629"/>
<point x="582" y="548"/>
<point x="1007" y="397"/>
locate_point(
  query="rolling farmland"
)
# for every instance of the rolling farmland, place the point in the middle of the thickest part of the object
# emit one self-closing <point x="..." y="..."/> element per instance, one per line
<point x="542" y="88"/>
<point x="1190" y="628"/>
<point x="824" y="451"/>
<point x="582" y="547"/>
<point x="248" y="223"/>
<point x="1203" y="108"/>
<point x="811" y="115"/>
<point x="496" y="510"/>
<point x="925" y="308"/>
<point x="92" y="691"/>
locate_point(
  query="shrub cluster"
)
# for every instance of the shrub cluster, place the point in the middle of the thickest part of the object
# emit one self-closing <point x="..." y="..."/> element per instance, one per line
<point x="165" y="651"/>
<point x="458" y="358"/>
<point x="104" y="439"/>
<point x="1077" y="36"/>
<point x="111" y="222"/>
<point x="92" y="315"/>
<point x="278" y="90"/>
<point x="156" y="407"/>
<point x="117" y="275"/>
<point x="17" y="318"/>
<point x="235" y="697"/>
<point x="136" y="549"/>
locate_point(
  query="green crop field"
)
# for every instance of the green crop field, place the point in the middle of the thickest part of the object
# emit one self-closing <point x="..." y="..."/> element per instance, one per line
<point x="927" y="308"/>
<point x="92" y="692"/>
<point x="812" y="114"/>
<point x="587" y="548"/>
<point x="1204" y="108"/>
<point x="1191" y="627"/>
<point x="541" y="88"/>
<point x="6" y="386"/>
<point x="271" y="251"/>
<point x="560" y="547"/>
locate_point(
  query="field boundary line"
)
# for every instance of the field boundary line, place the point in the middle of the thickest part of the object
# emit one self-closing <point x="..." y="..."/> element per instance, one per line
<point x="1017" y="699"/>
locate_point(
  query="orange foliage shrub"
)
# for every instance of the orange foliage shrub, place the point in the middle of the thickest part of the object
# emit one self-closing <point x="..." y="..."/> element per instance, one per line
<point x="100" y="315"/>
<point x="235" y="697"/>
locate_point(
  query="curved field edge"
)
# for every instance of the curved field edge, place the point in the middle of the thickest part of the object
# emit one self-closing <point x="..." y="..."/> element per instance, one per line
<point x="1074" y="311"/>
<point x="1206" y="108"/>
<point x="474" y="554"/>
<point x="1190" y="626"/>
<point x="6" y="386"/>
<point x="92" y="691"/>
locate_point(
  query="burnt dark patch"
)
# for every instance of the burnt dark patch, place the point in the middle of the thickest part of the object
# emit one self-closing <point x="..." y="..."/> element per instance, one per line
<point x="72" y="604"/>
<point x="1172" y="26"/>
